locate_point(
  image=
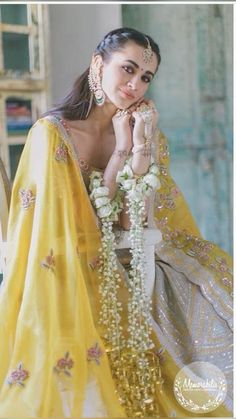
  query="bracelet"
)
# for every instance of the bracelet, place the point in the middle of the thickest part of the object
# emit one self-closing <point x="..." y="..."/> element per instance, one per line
<point x="140" y="147"/>
<point x="121" y="153"/>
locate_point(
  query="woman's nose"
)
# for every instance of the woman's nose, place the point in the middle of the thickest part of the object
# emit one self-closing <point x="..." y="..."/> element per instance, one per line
<point x="133" y="83"/>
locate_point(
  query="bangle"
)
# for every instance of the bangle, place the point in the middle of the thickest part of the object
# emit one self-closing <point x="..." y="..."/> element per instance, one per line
<point x="121" y="153"/>
<point x="139" y="147"/>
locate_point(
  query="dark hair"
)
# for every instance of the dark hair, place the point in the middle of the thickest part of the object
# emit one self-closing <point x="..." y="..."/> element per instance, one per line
<point x="78" y="103"/>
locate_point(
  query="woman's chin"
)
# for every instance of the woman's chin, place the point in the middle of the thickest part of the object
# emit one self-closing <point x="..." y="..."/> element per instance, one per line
<point x="123" y="105"/>
<point x="120" y="103"/>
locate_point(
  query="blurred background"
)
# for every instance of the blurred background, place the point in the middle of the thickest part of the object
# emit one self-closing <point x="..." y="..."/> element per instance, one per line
<point x="44" y="47"/>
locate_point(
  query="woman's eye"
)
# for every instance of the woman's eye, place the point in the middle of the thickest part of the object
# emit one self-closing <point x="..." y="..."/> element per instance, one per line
<point x="146" y="79"/>
<point x="128" y="69"/>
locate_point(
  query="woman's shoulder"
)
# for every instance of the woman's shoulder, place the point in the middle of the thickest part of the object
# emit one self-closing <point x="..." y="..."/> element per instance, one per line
<point x="50" y="126"/>
<point x="49" y="121"/>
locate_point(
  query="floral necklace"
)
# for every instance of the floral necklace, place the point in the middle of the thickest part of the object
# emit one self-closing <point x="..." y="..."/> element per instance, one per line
<point x="135" y="367"/>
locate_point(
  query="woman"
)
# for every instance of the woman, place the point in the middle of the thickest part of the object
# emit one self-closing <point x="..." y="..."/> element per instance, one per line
<point x="77" y="337"/>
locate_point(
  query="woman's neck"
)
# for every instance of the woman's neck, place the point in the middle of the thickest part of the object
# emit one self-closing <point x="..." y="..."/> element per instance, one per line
<point x="101" y="117"/>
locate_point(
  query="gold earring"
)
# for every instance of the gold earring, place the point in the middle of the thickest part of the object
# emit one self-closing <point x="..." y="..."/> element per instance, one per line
<point x="95" y="83"/>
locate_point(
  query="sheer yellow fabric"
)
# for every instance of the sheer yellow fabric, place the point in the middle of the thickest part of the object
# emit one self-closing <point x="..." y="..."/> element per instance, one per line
<point x="44" y="308"/>
<point x="50" y="339"/>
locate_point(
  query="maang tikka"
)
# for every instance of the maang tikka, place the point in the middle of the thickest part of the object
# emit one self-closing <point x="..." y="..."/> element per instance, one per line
<point x="147" y="52"/>
<point x="95" y="83"/>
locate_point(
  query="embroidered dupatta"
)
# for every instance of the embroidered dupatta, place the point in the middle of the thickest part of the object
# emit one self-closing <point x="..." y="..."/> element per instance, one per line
<point x="49" y="341"/>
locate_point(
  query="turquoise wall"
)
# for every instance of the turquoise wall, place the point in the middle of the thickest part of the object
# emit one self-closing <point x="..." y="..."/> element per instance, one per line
<point x="193" y="94"/>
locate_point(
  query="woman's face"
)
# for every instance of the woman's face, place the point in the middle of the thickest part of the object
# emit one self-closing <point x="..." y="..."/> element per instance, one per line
<point x="126" y="76"/>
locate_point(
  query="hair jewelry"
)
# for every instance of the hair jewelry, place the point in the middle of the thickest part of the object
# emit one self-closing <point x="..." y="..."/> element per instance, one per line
<point x="147" y="52"/>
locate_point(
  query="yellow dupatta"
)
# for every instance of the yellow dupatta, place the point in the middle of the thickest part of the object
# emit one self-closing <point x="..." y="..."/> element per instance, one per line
<point x="49" y="341"/>
<point x="49" y="301"/>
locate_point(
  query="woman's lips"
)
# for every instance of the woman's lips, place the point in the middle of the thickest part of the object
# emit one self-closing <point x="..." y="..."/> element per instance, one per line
<point x="127" y="95"/>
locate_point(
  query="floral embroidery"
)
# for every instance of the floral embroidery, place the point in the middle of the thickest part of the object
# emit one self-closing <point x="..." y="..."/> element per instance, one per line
<point x="173" y="236"/>
<point x="18" y="375"/>
<point x="163" y="170"/>
<point x="221" y="265"/>
<point x="27" y="198"/>
<point x="169" y="191"/>
<point x="199" y="248"/>
<point x="61" y="153"/>
<point x="227" y="282"/>
<point x="196" y="252"/>
<point x="64" y="365"/>
<point x="94" y="353"/>
<point x="49" y="261"/>
<point x="162" y="222"/>
<point x="84" y="166"/>
<point x="175" y="191"/>
<point x="196" y="247"/>
<point x="165" y="200"/>
<point x="95" y="263"/>
<point x="164" y="151"/>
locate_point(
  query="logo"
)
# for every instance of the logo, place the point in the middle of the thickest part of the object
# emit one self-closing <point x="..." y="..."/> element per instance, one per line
<point x="200" y="387"/>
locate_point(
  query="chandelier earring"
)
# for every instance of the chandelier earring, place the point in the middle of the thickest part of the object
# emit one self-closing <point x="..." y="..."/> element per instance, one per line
<point x="95" y="82"/>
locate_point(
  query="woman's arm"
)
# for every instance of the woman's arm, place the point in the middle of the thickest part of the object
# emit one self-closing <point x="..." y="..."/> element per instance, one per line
<point x="116" y="163"/>
<point x="140" y="160"/>
<point x="141" y="154"/>
<point x="141" y="157"/>
<point x="123" y="135"/>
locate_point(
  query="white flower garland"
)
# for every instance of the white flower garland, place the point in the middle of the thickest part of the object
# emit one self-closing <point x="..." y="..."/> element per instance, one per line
<point x="108" y="211"/>
<point x="99" y="196"/>
<point x="137" y="188"/>
<point x="139" y="341"/>
<point x="139" y="317"/>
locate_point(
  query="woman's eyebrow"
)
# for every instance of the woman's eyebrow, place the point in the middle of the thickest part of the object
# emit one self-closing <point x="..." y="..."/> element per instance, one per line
<point x="137" y="66"/>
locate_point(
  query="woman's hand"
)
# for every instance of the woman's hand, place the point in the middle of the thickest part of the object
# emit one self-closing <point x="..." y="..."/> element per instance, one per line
<point x="122" y="129"/>
<point x="141" y="132"/>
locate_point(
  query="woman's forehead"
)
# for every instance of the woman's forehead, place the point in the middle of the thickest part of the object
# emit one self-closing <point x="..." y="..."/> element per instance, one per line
<point x="134" y="52"/>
